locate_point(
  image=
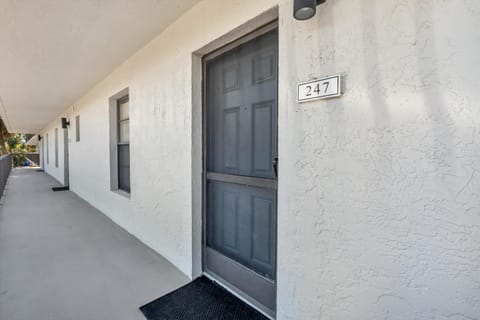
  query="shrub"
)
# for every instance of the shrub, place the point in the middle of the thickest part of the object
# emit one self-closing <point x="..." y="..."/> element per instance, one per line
<point x="18" y="158"/>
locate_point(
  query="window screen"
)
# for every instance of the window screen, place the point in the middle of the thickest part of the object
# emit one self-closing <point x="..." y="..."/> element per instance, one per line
<point x="123" y="145"/>
<point x="77" y="128"/>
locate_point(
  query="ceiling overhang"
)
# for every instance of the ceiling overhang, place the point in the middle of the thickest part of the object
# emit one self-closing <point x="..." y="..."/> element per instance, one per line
<point x="53" y="51"/>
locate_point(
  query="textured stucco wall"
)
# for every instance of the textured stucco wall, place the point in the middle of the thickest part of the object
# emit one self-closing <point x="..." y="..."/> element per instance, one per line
<point x="379" y="203"/>
<point x="378" y="206"/>
<point x="159" y="78"/>
<point x="50" y="168"/>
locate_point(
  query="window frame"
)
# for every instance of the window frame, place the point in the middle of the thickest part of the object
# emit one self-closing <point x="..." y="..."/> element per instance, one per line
<point x="121" y="144"/>
<point x="77" y="128"/>
<point x="114" y="103"/>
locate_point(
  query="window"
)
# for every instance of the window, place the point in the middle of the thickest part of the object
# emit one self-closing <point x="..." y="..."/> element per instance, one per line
<point x="77" y="128"/>
<point x="48" y="149"/>
<point x="120" y="142"/>
<point x="56" y="147"/>
<point x="123" y="144"/>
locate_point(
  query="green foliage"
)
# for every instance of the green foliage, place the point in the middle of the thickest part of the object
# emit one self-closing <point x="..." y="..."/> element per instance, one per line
<point x="19" y="158"/>
<point x="15" y="142"/>
<point x="16" y="146"/>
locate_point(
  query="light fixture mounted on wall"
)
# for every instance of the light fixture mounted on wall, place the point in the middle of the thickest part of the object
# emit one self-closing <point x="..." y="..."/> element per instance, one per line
<point x="305" y="9"/>
<point x="65" y="123"/>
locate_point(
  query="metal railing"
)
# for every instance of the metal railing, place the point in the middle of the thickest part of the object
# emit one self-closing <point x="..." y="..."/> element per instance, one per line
<point x="5" y="168"/>
<point x="33" y="157"/>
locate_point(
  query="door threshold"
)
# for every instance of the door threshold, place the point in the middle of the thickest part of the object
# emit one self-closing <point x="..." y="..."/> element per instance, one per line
<point x="238" y="294"/>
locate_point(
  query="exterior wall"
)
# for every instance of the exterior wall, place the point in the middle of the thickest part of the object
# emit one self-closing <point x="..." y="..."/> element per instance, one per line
<point x="379" y="211"/>
<point x="379" y="205"/>
<point x="159" y="78"/>
<point x="57" y="173"/>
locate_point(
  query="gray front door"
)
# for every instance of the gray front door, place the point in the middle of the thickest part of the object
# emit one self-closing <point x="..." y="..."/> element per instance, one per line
<point x="241" y="176"/>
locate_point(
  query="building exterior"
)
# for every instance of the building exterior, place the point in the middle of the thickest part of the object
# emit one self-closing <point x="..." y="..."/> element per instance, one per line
<point x="374" y="212"/>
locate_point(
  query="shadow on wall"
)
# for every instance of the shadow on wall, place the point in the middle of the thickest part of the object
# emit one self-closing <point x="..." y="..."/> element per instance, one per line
<point x="430" y="88"/>
<point x="380" y="136"/>
<point x="376" y="88"/>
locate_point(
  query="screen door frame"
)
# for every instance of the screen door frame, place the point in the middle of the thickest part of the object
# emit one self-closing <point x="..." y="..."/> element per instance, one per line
<point x="273" y="25"/>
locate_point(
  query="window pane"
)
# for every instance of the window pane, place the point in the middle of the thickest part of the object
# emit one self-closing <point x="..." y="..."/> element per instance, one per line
<point x="123" y="111"/>
<point x="124" y="167"/>
<point x="124" y="131"/>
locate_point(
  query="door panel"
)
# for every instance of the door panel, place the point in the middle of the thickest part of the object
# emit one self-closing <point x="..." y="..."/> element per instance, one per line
<point x="230" y="142"/>
<point x="242" y="109"/>
<point x="242" y="225"/>
<point x="263" y="133"/>
<point x="241" y="142"/>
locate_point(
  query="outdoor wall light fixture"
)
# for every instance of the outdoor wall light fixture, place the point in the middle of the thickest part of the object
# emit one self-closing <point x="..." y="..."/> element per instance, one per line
<point x="305" y="9"/>
<point x="65" y="123"/>
<point x="39" y="137"/>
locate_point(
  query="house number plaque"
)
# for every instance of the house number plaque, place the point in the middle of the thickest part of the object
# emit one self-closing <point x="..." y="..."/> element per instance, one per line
<point x="329" y="87"/>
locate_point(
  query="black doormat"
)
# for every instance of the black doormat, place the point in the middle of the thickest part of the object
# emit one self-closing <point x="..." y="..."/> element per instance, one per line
<point x="201" y="299"/>
<point x="56" y="189"/>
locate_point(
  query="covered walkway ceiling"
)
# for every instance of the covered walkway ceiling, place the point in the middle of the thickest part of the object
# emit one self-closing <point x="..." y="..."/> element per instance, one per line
<point x="53" y="51"/>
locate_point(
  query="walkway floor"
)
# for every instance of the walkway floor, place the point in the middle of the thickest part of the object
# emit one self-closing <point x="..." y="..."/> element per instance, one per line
<point x="61" y="259"/>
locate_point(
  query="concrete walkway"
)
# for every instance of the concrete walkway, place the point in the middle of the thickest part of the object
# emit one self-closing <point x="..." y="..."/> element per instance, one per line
<point x="61" y="259"/>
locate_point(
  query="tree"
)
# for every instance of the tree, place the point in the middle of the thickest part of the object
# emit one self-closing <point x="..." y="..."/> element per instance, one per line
<point x="16" y="146"/>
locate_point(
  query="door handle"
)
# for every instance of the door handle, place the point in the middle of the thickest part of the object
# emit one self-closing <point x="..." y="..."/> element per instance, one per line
<point x="275" y="166"/>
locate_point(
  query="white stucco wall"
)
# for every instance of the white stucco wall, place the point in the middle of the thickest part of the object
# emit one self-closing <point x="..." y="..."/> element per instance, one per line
<point x="159" y="78"/>
<point x="379" y="210"/>
<point x="49" y="167"/>
<point x="378" y="206"/>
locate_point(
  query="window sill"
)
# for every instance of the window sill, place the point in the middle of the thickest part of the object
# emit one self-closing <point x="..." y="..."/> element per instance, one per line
<point x="122" y="193"/>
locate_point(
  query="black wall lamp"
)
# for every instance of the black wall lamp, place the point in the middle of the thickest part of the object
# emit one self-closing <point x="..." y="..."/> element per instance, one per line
<point x="305" y="9"/>
<point x="39" y="137"/>
<point x="65" y="123"/>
